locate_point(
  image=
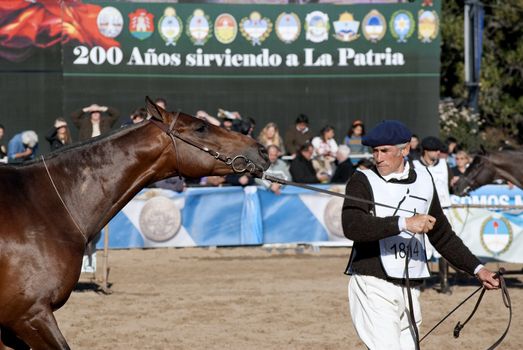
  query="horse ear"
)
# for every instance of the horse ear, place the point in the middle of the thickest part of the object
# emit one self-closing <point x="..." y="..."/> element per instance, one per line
<point x="153" y="109"/>
<point x="483" y="151"/>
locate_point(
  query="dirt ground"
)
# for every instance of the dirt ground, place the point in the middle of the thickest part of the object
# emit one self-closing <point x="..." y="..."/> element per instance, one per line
<point x="255" y="298"/>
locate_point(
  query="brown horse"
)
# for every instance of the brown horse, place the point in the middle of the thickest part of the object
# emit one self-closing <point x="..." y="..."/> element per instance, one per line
<point x="489" y="166"/>
<point x="52" y="207"/>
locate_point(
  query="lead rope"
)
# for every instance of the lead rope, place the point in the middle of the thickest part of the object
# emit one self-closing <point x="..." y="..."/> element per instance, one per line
<point x="61" y="200"/>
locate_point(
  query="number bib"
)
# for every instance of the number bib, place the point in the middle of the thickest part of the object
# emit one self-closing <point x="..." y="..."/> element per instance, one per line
<point x="415" y="197"/>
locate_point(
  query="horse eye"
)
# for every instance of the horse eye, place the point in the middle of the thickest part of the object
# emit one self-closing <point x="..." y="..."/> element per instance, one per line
<point x="201" y="128"/>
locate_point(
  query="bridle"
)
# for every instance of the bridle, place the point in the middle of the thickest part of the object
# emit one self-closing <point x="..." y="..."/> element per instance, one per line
<point x="239" y="163"/>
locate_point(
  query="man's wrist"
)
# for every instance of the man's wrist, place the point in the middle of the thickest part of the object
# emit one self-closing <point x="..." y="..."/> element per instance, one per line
<point x="479" y="267"/>
<point x="402" y="223"/>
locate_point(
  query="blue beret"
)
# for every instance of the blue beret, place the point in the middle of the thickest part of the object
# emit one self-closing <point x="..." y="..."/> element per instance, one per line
<point x="388" y="132"/>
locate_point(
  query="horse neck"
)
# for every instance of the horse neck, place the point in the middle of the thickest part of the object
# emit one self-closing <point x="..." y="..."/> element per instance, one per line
<point x="507" y="166"/>
<point x="97" y="179"/>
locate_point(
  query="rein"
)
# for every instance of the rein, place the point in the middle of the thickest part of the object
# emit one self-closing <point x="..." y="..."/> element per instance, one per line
<point x="61" y="200"/>
<point x="459" y="326"/>
<point x="346" y="196"/>
<point x="239" y="163"/>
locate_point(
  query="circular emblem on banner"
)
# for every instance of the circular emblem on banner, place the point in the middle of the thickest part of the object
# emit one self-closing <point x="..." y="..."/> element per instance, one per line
<point x="374" y="26"/>
<point x="332" y="217"/>
<point x="160" y="219"/>
<point x="170" y="26"/>
<point x="198" y="27"/>
<point x="496" y="235"/>
<point x="225" y="28"/>
<point x="346" y="28"/>
<point x="288" y="27"/>
<point x="401" y="25"/>
<point x="141" y="24"/>
<point x="317" y="27"/>
<point x="255" y="28"/>
<point x="428" y="25"/>
<point x="110" y="22"/>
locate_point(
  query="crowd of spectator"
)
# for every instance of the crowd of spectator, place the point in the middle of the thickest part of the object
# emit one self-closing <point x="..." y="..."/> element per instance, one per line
<point x="300" y="155"/>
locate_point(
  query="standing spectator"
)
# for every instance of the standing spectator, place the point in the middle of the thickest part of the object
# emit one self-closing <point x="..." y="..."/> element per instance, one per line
<point x="302" y="169"/>
<point x="462" y="162"/>
<point x="415" y="149"/>
<point x="270" y="135"/>
<point x="91" y="122"/>
<point x="345" y="169"/>
<point x="325" y="148"/>
<point x="278" y="168"/>
<point x="22" y="147"/>
<point x="3" y="148"/>
<point x="59" y="135"/>
<point x="439" y="169"/>
<point x="297" y="135"/>
<point x="452" y="147"/>
<point x="353" y="138"/>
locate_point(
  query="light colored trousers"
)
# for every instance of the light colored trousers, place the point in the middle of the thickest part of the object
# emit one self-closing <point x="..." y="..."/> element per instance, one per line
<point x="380" y="314"/>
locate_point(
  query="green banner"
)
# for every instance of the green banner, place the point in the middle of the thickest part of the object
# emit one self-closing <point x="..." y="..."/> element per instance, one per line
<point x="270" y="41"/>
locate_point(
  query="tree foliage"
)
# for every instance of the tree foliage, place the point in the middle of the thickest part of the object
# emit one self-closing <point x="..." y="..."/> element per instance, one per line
<point x="501" y="84"/>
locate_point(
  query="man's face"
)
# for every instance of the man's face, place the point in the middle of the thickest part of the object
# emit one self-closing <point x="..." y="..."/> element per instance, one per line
<point x="307" y="154"/>
<point x="95" y="116"/>
<point x="1" y="133"/>
<point x="389" y="158"/>
<point x="301" y="126"/>
<point x="273" y="155"/>
<point x="431" y="157"/>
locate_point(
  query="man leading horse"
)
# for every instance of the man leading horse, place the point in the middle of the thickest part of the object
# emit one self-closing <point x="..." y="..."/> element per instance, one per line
<point x="388" y="260"/>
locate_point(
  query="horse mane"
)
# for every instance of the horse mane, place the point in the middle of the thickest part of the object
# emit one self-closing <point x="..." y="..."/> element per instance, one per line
<point x="75" y="146"/>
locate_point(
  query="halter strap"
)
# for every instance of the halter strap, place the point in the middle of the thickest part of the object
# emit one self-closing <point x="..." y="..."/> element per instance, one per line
<point x="61" y="200"/>
<point x="235" y="162"/>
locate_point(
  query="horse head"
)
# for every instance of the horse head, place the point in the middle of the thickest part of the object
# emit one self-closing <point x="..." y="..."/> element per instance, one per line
<point x="480" y="172"/>
<point x="199" y="148"/>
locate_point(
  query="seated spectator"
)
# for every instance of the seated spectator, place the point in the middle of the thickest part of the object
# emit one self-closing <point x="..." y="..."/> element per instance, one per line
<point x="3" y="148"/>
<point x="22" y="147"/>
<point x="59" y="135"/>
<point x="301" y="168"/>
<point x="203" y="115"/>
<point x="278" y="168"/>
<point x="415" y="148"/>
<point x="462" y="162"/>
<point x="297" y="135"/>
<point x="353" y="138"/>
<point x="94" y="120"/>
<point x="325" y="148"/>
<point x="270" y="135"/>
<point x="345" y="169"/>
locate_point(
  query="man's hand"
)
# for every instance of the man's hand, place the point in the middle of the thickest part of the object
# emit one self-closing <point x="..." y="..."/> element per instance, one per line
<point x="275" y="188"/>
<point x="420" y="223"/>
<point x="487" y="278"/>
